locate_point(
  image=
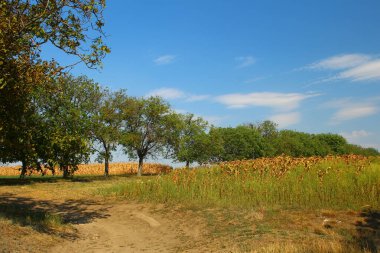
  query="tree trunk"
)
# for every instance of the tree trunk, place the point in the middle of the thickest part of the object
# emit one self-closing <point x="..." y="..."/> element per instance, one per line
<point x="106" y="158"/>
<point x="23" y="170"/>
<point x="140" y="169"/>
<point x="187" y="165"/>
<point x="65" y="170"/>
<point x="106" y="166"/>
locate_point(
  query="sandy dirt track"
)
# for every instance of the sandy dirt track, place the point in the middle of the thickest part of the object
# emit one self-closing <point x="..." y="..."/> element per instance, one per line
<point x="134" y="228"/>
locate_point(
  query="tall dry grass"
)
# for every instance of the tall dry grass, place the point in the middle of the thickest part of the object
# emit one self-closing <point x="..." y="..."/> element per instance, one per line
<point x="98" y="169"/>
<point x="333" y="182"/>
<point x="315" y="246"/>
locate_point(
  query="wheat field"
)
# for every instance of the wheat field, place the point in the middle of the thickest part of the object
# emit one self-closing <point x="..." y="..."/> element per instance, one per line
<point x="97" y="169"/>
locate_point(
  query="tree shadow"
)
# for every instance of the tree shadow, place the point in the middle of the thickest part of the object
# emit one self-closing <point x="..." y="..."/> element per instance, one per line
<point x="39" y="214"/>
<point x="368" y="230"/>
<point x="14" y="181"/>
<point x="26" y="181"/>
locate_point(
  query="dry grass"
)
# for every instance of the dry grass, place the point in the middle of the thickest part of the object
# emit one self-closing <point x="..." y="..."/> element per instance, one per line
<point x="226" y="203"/>
<point x="315" y="246"/>
<point x="222" y="229"/>
<point x="98" y="169"/>
<point x="308" y="183"/>
<point x="16" y="238"/>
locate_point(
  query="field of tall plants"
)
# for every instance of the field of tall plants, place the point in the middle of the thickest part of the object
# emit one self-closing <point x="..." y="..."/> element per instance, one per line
<point x="96" y="169"/>
<point x="334" y="182"/>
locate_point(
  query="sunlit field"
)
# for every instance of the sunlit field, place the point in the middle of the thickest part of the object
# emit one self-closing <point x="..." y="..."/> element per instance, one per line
<point x="262" y="205"/>
<point x="332" y="182"/>
<point x="95" y="169"/>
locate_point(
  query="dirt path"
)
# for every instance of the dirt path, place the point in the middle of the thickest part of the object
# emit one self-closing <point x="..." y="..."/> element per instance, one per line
<point x="133" y="228"/>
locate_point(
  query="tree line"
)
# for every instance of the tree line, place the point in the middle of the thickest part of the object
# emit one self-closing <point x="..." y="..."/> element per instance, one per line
<point x="76" y="117"/>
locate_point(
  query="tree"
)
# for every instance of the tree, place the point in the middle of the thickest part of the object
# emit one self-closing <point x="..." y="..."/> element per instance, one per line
<point x="192" y="141"/>
<point x="335" y="142"/>
<point x="293" y="143"/>
<point x="149" y="127"/>
<point x="107" y="123"/>
<point x="215" y="149"/>
<point x="239" y="143"/>
<point x="268" y="130"/>
<point x="358" y="150"/>
<point x="73" y="26"/>
<point x="67" y="115"/>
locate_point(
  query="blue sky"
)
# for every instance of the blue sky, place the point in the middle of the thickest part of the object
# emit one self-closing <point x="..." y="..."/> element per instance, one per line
<point x="312" y="66"/>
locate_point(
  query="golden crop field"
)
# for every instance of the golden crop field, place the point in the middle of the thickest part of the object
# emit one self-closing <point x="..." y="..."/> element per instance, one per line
<point x="341" y="182"/>
<point x="98" y="169"/>
<point x="281" y="165"/>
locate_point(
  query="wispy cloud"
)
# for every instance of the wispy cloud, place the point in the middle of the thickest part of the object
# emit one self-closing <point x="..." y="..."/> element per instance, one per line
<point x="355" y="135"/>
<point x="211" y="119"/>
<point x="362" y="138"/>
<point x="340" y="62"/>
<point x="286" y="119"/>
<point x="279" y="101"/>
<point x="164" y="59"/>
<point x="350" y="110"/>
<point x="173" y="93"/>
<point x="353" y="112"/>
<point x="252" y="80"/>
<point x="245" y="61"/>
<point x="195" y="98"/>
<point x="367" y="71"/>
<point x="167" y="93"/>
<point x="353" y="67"/>
<point x="215" y="120"/>
<point x="371" y="145"/>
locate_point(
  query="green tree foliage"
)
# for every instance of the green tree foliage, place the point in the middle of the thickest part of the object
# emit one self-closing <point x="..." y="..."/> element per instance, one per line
<point x="192" y="141"/>
<point x="356" y="149"/>
<point x="336" y="143"/>
<point x="264" y="140"/>
<point x="67" y="116"/>
<point x="293" y="143"/>
<point x="148" y="128"/>
<point x="74" y="27"/>
<point x="268" y="130"/>
<point x="107" y="123"/>
<point x="239" y="143"/>
<point x="215" y="150"/>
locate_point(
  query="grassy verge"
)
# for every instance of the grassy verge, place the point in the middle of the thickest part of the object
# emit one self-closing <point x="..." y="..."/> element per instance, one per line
<point x="240" y="207"/>
<point x="329" y="185"/>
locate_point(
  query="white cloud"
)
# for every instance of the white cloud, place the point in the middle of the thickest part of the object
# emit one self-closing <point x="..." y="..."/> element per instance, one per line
<point x="173" y="93"/>
<point x="354" y="67"/>
<point x="355" y="135"/>
<point x="371" y="145"/>
<point x="164" y="59"/>
<point x="354" y="111"/>
<point x="245" y="61"/>
<point x="214" y="120"/>
<point x="280" y="101"/>
<point x="211" y="119"/>
<point x="341" y="62"/>
<point x="362" y="138"/>
<point x="366" y="71"/>
<point x="349" y="110"/>
<point x="286" y="119"/>
<point x="195" y="98"/>
<point x="167" y="93"/>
